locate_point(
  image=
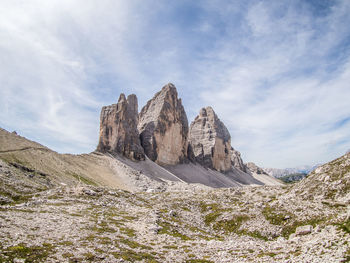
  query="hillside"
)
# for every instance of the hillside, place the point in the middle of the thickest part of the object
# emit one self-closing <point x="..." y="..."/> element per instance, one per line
<point x="71" y="208"/>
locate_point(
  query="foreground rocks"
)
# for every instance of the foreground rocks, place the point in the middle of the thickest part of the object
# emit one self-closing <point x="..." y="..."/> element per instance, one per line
<point x="165" y="221"/>
<point x="163" y="128"/>
<point x="118" y="129"/>
<point x="182" y="224"/>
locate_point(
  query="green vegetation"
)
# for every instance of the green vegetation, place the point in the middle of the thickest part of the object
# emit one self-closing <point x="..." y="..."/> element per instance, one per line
<point x="199" y="261"/>
<point x="345" y="226"/>
<point x="132" y="256"/>
<point x="128" y="231"/>
<point x="30" y="254"/>
<point x="290" y="228"/>
<point x="83" y="179"/>
<point x="274" y="217"/>
<point x="269" y="254"/>
<point x="168" y="229"/>
<point x="133" y="244"/>
<point x="231" y="225"/>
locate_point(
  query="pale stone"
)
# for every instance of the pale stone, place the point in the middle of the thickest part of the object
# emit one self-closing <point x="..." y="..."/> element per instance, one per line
<point x="210" y="141"/>
<point x="163" y="128"/>
<point x="118" y="129"/>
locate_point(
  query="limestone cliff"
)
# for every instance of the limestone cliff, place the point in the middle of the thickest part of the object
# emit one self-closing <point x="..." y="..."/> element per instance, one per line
<point x="118" y="129"/>
<point x="163" y="128"/>
<point x="237" y="161"/>
<point x="210" y="141"/>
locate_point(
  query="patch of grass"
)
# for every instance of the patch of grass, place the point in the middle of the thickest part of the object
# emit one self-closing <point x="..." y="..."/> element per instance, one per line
<point x="65" y="243"/>
<point x="134" y="244"/>
<point x="132" y="256"/>
<point x="199" y="261"/>
<point x="204" y="207"/>
<point x="105" y="240"/>
<point x="67" y="255"/>
<point x="30" y="254"/>
<point x="83" y="179"/>
<point x="269" y="254"/>
<point x="89" y="256"/>
<point x="170" y="247"/>
<point x="168" y="229"/>
<point x="128" y="231"/>
<point x="255" y="234"/>
<point x="211" y="217"/>
<point x="103" y="228"/>
<point x="274" y="217"/>
<point x="290" y="228"/>
<point x="231" y="225"/>
<point x="345" y="226"/>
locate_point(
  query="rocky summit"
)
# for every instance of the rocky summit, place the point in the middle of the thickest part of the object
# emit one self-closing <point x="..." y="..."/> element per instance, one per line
<point x="118" y="129"/>
<point x="163" y="127"/>
<point x="210" y="141"/>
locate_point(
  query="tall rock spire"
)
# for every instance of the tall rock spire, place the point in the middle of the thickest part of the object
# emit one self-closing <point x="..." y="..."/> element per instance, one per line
<point x="118" y="129"/>
<point x="163" y="127"/>
<point x="210" y="141"/>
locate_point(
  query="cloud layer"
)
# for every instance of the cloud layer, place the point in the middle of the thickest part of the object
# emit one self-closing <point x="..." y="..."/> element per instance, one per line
<point x="276" y="72"/>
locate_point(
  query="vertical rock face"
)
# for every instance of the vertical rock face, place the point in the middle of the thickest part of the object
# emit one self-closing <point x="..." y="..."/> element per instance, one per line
<point x="118" y="129"/>
<point x="210" y="141"/>
<point x="163" y="127"/>
<point x="237" y="161"/>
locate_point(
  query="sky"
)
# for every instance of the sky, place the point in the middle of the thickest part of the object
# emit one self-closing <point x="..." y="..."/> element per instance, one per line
<point x="277" y="73"/>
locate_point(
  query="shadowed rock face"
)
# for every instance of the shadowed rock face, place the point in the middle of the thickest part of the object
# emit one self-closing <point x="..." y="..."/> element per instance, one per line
<point x="118" y="129"/>
<point x="237" y="161"/>
<point x="210" y="141"/>
<point x="163" y="128"/>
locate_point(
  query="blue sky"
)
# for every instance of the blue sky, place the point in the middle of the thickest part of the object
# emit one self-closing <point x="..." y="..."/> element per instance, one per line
<point x="277" y="73"/>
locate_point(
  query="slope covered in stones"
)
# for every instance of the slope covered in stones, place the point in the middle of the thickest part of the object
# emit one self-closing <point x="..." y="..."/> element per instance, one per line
<point x="330" y="181"/>
<point x="251" y="224"/>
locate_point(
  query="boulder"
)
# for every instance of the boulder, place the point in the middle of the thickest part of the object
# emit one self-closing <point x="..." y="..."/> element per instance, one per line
<point x="163" y="128"/>
<point x="118" y="129"/>
<point x="303" y="230"/>
<point x="210" y="141"/>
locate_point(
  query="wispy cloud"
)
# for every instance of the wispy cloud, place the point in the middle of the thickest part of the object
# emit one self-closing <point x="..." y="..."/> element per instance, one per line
<point x="276" y="72"/>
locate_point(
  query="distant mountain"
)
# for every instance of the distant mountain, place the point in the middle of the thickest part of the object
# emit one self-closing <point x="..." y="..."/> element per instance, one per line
<point x="304" y="169"/>
<point x="291" y="178"/>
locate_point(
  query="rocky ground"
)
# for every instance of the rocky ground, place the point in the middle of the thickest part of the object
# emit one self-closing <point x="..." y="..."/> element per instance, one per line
<point x="176" y="223"/>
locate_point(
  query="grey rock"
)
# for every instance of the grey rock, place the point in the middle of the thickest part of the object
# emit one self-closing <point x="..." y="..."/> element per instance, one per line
<point x="163" y="128"/>
<point x="303" y="230"/>
<point x="237" y="161"/>
<point x="210" y="141"/>
<point x="118" y="129"/>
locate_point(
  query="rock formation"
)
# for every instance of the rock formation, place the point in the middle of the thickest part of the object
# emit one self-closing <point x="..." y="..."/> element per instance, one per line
<point x="237" y="161"/>
<point x="118" y="129"/>
<point x="210" y="141"/>
<point x="163" y="128"/>
<point x="255" y="169"/>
